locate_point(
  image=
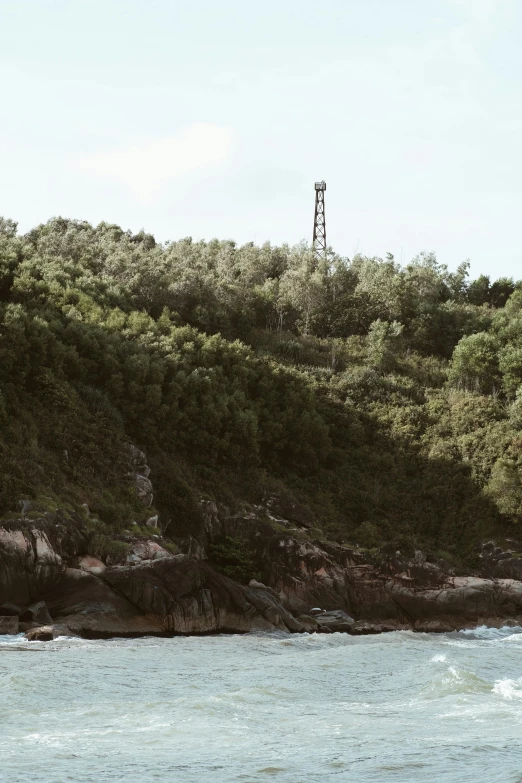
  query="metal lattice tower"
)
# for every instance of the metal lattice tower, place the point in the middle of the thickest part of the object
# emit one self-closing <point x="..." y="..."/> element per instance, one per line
<point x="319" y="240"/>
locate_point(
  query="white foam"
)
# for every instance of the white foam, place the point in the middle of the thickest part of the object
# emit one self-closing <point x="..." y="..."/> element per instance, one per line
<point x="508" y="689"/>
<point x="438" y="659"/>
<point x="486" y="633"/>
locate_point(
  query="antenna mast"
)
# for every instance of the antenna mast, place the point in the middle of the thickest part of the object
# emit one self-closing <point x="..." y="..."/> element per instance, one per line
<point x="319" y="240"/>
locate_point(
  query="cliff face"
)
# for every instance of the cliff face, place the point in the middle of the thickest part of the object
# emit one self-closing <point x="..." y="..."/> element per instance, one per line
<point x="155" y="592"/>
<point x="33" y="554"/>
<point x="391" y="592"/>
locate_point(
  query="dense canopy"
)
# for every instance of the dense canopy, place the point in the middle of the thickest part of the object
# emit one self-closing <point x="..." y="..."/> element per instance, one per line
<point x="387" y="398"/>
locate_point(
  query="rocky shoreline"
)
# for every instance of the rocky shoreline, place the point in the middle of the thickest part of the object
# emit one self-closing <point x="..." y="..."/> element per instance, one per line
<point x="51" y="585"/>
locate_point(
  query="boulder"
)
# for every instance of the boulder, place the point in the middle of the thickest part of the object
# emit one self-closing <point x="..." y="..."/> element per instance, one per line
<point x="146" y="550"/>
<point x="365" y="628"/>
<point x="308" y="622"/>
<point x="144" y="490"/>
<point x="496" y="562"/>
<point x="433" y="626"/>
<point x="91" y="565"/>
<point x="8" y="626"/>
<point x="32" y="554"/>
<point x="36" y="613"/>
<point x="40" y="634"/>
<point x="174" y="594"/>
<point x="138" y="460"/>
<point x="333" y="621"/>
<point x="46" y="633"/>
<point x="268" y="604"/>
<point x="88" y="606"/>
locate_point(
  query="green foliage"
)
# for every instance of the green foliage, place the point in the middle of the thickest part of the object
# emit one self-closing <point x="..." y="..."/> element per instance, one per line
<point x="231" y="556"/>
<point x="115" y="512"/>
<point x="386" y="397"/>
<point x="380" y="344"/>
<point x="107" y="549"/>
<point x="175" y="495"/>
<point x="474" y="365"/>
<point x="505" y="487"/>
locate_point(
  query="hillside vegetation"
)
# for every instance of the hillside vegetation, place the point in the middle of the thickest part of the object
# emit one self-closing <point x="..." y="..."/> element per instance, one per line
<point x="386" y="398"/>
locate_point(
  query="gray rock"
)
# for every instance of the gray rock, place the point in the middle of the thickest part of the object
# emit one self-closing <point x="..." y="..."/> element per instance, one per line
<point x="308" y="622"/>
<point x="138" y="461"/>
<point x="433" y="626"/>
<point x="284" y="506"/>
<point x="8" y="626"/>
<point x="334" y="621"/>
<point x="86" y="605"/>
<point x="255" y="583"/>
<point x="144" y="490"/>
<point x="365" y="628"/>
<point x="91" y="564"/>
<point x="40" y="634"/>
<point x="189" y="597"/>
<point x="36" y="613"/>
<point x="46" y="633"/>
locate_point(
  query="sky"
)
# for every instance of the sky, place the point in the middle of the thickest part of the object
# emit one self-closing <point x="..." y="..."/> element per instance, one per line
<point x="213" y="118"/>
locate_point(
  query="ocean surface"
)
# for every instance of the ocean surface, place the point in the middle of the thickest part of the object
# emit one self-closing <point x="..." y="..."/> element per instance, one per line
<point x="397" y="707"/>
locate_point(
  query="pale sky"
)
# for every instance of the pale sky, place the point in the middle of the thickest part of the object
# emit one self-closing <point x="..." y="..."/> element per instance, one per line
<point x="212" y="118"/>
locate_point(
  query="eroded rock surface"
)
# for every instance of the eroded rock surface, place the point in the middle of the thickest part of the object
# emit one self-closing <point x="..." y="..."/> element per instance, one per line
<point x="88" y="606"/>
<point x="191" y="597"/>
<point x="308" y="585"/>
<point x="32" y="554"/>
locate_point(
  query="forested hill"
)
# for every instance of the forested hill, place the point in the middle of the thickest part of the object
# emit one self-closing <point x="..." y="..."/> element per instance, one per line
<point x="383" y="397"/>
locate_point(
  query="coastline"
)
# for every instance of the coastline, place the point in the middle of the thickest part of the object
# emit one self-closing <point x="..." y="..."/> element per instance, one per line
<point x="50" y="582"/>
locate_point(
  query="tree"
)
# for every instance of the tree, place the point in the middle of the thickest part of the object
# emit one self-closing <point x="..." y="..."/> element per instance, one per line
<point x="380" y="344"/>
<point x="474" y="365"/>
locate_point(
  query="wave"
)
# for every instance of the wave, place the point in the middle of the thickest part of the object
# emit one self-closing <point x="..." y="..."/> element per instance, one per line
<point x="509" y="689"/>
<point x="454" y="682"/>
<point x="487" y="633"/>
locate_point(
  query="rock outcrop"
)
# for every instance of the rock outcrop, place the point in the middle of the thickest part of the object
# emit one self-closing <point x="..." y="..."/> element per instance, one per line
<point x="88" y="606"/>
<point x="33" y="554"/>
<point x="140" y="471"/>
<point x="336" y="620"/>
<point x="36" y="613"/>
<point x="191" y="597"/>
<point x="49" y="579"/>
<point x="390" y="594"/>
<point x="500" y="562"/>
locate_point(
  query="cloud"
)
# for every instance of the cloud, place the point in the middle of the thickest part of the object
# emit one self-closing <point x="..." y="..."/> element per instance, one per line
<point x="145" y="167"/>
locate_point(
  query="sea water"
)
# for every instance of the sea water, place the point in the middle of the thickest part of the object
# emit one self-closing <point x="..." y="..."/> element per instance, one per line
<point x="398" y="707"/>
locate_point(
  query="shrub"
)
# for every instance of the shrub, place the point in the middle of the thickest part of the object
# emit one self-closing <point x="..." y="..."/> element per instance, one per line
<point x="232" y="557"/>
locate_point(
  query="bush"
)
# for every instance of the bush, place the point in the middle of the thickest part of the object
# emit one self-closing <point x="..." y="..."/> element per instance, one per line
<point x="232" y="557"/>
